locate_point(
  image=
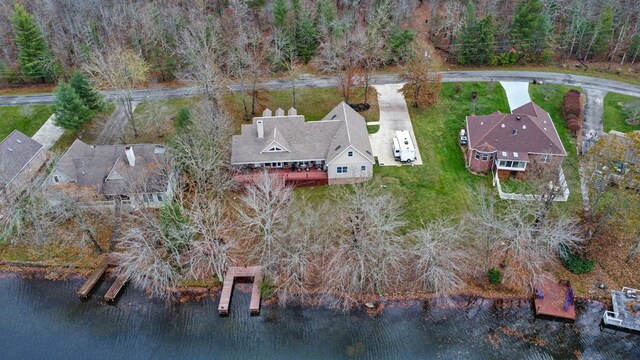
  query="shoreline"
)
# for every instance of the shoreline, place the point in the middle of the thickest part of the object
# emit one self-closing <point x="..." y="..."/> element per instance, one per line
<point x="460" y="299"/>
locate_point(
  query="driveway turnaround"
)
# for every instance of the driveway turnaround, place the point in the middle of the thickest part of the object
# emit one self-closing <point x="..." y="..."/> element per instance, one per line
<point x="394" y="115"/>
<point x="48" y="133"/>
<point x="517" y="93"/>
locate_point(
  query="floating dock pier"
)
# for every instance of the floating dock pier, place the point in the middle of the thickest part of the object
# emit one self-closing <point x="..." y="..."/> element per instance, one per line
<point x="555" y="299"/>
<point x="95" y="276"/>
<point x="626" y="309"/>
<point x="253" y="272"/>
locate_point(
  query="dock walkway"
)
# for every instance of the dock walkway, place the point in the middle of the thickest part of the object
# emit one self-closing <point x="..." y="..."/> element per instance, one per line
<point x="555" y="300"/>
<point x="253" y="272"/>
<point x="95" y="276"/>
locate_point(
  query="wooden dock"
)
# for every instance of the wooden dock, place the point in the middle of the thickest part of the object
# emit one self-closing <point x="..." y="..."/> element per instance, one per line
<point x="86" y="288"/>
<point x="555" y="300"/>
<point x="252" y="272"/>
<point x="626" y="310"/>
<point x="95" y="276"/>
<point x="115" y="288"/>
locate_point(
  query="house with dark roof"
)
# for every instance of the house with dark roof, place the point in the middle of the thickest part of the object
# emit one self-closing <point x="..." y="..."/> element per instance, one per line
<point x="511" y="143"/>
<point x="119" y="174"/>
<point x="20" y="159"/>
<point x="335" y="149"/>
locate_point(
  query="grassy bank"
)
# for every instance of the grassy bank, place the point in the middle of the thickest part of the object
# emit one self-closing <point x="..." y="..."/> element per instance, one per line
<point x="614" y="115"/>
<point x="442" y="187"/>
<point x="549" y="97"/>
<point x="313" y="103"/>
<point x="27" y="119"/>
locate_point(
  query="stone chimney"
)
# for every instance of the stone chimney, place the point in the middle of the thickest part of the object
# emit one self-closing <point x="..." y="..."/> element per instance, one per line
<point x="260" y="127"/>
<point x="131" y="157"/>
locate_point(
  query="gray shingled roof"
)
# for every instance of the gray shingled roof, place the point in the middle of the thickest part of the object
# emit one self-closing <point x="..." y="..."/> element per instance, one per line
<point x="16" y="150"/>
<point x="90" y="165"/>
<point x="304" y="140"/>
<point x="528" y="129"/>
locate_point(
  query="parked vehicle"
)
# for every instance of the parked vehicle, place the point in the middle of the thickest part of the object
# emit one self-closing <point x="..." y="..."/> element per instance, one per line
<point x="403" y="148"/>
<point x="463" y="137"/>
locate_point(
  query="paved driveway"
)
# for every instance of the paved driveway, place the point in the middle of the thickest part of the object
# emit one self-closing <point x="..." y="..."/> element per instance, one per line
<point x="517" y="93"/>
<point x="48" y="133"/>
<point x="394" y="115"/>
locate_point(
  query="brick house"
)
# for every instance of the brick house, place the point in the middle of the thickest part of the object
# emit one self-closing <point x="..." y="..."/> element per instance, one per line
<point x="510" y="143"/>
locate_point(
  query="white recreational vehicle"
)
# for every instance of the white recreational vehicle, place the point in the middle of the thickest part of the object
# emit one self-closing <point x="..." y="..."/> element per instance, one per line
<point x="403" y="149"/>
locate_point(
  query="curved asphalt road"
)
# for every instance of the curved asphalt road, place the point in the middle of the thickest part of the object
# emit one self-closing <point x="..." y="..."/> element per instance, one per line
<point x="585" y="82"/>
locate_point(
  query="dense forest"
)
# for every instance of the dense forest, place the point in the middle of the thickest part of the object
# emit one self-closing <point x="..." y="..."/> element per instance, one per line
<point x="245" y="39"/>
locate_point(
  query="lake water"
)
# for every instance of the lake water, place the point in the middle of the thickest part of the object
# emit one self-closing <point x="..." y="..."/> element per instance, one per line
<point x="43" y="319"/>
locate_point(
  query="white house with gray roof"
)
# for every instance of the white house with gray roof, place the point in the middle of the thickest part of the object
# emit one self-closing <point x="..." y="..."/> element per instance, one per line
<point x="20" y="159"/>
<point x="337" y="145"/>
<point x="121" y="174"/>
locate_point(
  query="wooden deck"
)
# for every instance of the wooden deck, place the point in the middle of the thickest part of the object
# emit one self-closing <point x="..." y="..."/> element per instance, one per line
<point x="253" y="272"/>
<point x="553" y="303"/>
<point x="296" y="178"/>
<point x="95" y="276"/>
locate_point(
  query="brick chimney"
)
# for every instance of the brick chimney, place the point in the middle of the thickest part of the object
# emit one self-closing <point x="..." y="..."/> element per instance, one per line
<point x="131" y="157"/>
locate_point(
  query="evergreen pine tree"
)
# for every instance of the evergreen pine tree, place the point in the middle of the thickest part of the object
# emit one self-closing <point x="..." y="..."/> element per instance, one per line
<point x="530" y="30"/>
<point x="280" y="10"/>
<point x="307" y="38"/>
<point x="69" y="110"/>
<point x="467" y="46"/>
<point x="89" y="95"/>
<point x="34" y="56"/>
<point x="604" y="31"/>
<point x="183" y="119"/>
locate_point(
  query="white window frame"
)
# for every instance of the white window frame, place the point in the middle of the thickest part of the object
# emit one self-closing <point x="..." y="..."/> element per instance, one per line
<point x="350" y="153"/>
<point x="545" y="158"/>
<point x="363" y="168"/>
<point x="342" y="169"/>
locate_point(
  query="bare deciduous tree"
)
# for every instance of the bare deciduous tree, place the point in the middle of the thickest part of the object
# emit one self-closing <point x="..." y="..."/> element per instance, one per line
<point x="440" y="259"/>
<point x="121" y="70"/>
<point x="264" y="213"/>
<point x="367" y="252"/>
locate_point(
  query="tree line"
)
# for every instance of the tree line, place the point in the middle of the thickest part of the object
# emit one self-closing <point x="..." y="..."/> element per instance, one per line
<point x="536" y="31"/>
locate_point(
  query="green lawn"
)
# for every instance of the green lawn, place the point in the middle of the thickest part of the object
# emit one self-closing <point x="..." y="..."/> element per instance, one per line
<point x="549" y="97"/>
<point x="88" y="132"/>
<point x="314" y="103"/>
<point x="442" y="186"/>
<point x="27" y="119"/>
<point x="614" y="116"/>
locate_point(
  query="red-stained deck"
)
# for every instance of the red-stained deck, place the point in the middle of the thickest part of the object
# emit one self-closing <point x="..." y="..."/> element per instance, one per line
<point x="297" y="178"/>
<point x="254" y="272"/>
<point x="555" y="295"/>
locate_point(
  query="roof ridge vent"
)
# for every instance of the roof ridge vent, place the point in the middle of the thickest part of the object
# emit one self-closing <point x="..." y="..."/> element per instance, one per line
<point x="518" y="118"/>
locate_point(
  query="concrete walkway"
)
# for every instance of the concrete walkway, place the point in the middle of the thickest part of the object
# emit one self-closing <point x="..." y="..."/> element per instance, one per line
<point x="114" y="129"/>
<point x="49" y="133"/>
<point x="394" y="115"/>
<point x="517" y="93"/>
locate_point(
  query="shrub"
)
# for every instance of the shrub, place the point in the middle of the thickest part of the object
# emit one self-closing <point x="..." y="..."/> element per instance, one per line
<point x="267" y="287"/>
<point x="495" y="276"/>
<point x="578" y="264"/>
<point x="571" y="104"/>
<point x="573" y="125"/>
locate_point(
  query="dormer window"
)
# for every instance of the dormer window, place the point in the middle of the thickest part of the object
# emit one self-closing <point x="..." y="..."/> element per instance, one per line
<point x="56" y="179"/>
<point x="275" y="149"/>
